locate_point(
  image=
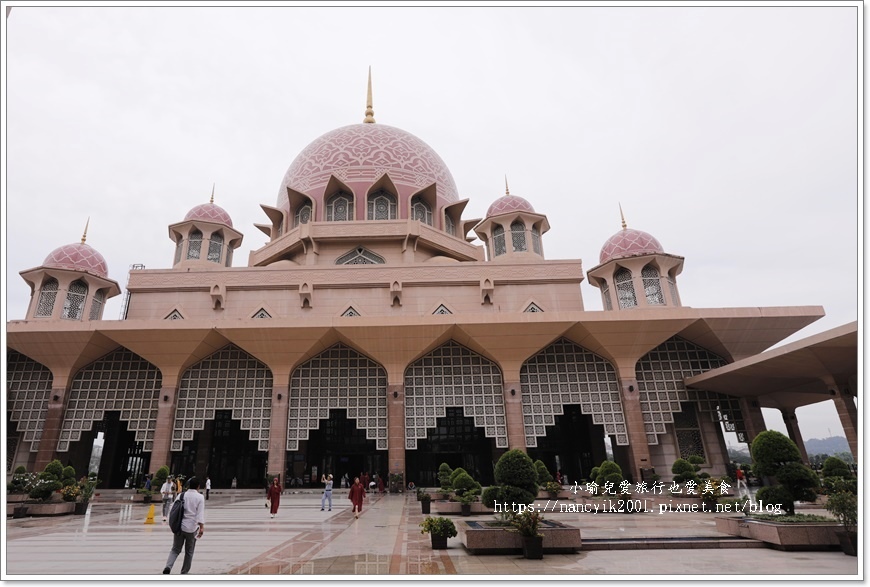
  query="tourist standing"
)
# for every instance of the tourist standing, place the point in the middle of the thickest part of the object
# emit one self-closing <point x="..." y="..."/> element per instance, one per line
<point x="356" y="495"/>
<point x="274" y="496"/>
<point x="207" y="486"/>
<point x="741" y="481"/>
<point x="327" y="492"/>
<point x="166" y="491"/>
<point x="192" y="527"/>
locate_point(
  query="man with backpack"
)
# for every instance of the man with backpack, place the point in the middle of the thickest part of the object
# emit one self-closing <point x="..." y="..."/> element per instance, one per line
<point x="192" y="514"/>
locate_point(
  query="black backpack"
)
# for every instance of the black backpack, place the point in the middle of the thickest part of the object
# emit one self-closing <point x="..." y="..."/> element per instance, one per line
<point x="176" y="515"/>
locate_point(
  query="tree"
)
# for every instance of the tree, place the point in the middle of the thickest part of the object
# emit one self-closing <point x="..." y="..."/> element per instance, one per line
<point x="610" y="472"/>
<point x="835" y="467"/>
<point x="544" y="475"/>
<point x="516" y="480"/>
<point x="444" y="473"/>
<point x="776" y="455"/>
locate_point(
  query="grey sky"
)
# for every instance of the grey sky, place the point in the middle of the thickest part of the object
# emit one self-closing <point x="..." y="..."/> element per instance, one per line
<point x="729" y="133"/>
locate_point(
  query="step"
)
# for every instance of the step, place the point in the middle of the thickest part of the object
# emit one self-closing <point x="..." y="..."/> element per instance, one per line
<point x="654" y="543"/>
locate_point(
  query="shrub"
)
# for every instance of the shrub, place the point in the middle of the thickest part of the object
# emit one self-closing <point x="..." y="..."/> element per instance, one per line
<point x="55" y="468"/>
<point x="770" y="450"/>
<point x="835" y="467"/>
<point x="463" y="483"/>
<point x="552" y="488"/>
<point x="438" y="527"/>
<point x="844" y="506"/>
<point x="160" y="477"/>
<point x="20" y="470"/>
<point x="516" y="469"/>
<point x="777" y="455"/>
<point x="444" y="472"/>
<point x="775" y="494"/>
<point x="68" y="477"/>
<point x="48" y="481"/>
<point x="544" y="475"/>
<point x="71" y="492"/>
<point x="456" y="473"/>
<point x="609" y="472"/>
<point x="527" y="522"/>
<point x="684" y="471"/>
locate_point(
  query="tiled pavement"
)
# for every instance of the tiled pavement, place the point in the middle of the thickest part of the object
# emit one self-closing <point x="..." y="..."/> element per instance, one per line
<point x="241" y="539"/>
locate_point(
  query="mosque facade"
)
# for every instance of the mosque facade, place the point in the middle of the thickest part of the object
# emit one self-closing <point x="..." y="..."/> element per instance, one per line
<point x="379" y="329"/>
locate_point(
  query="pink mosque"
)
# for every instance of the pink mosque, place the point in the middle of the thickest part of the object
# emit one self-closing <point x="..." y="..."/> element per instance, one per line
<point x="380" y="330"/>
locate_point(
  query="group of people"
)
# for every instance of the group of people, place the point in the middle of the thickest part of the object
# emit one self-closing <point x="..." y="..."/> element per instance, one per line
<point x="356" y="495"/>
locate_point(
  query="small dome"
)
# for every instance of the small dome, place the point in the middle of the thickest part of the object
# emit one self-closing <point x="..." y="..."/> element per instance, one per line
<point x="629" y="242"/>
<point x="78" y="257"/>
<point x="210" y="213"/>
<point x="509" y="203"/>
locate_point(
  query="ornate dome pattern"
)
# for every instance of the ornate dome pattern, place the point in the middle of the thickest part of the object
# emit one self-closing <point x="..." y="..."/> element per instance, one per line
<point x="629" y="242"/>
<point x="78" y="257"/>
<point x="509" y="203"/>
<point x="364" y="152"/>
<point x="210" y="213"/>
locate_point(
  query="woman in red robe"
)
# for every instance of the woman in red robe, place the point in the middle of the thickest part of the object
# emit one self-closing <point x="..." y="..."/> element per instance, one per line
<point x="356" y="495"/>
<point x="274" y="496"/>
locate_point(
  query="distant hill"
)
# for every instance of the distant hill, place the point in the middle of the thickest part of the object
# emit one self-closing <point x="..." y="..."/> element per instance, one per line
<point x="828" y="446"/>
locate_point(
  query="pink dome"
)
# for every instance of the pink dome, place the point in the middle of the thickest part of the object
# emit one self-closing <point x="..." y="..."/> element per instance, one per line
<point x="629" y="242"/>
<point x="509" y="203"/>
<point x="210" y="213"/>
<point x="363" y="153"/>
<point x="78" y="257"/>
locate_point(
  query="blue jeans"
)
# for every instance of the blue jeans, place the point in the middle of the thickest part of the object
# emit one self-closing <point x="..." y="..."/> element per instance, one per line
<point x="188" y="539"/>
<point x="326" y="495"/>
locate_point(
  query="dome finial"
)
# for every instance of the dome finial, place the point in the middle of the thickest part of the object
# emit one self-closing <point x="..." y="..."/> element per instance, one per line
<point x="621" y="215"/>
<point x="507" y="190"/>
<point x="370" y="113"/>
<point x="85" y="234"/>
<point x="211" y="201"/>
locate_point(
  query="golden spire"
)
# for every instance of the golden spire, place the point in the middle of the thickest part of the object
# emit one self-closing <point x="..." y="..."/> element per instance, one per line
<point x="211" y="201"/>
<point x="507" y="190"/>
<point x="621" y="215"/>
<point x="85" y="235"/>
<point x="370" y="113"/>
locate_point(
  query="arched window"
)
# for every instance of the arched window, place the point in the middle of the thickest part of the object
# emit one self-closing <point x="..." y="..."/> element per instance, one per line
<point x="449" y="226"/>
<point x="303" y="215"/>
<point x="536" y="240"/>
<point x="178" y="246"/>
<point x="194" y="245"/>
<point x="74" y="305"/>
<point x="97" y="305"/>
<point x="652" y="286"/>
<point x="420" y="210"/>
<point x="605" y="296"/>
<point x="47" y="296"/>
<point x="339" y="208"/>
<point x="360" y="256"/>
<point x="518" y="236"/>
<point x="625" y="288"/>
<point x="215" y="247"/>
<point x="498" y="240"/>
<point x="382" y="206"/>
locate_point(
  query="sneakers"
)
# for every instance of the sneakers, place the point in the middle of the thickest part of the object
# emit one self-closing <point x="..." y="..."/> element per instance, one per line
<point x="166" y="570"/>
<point x="330" y="509"/>
<point x="321" y="509"/>
<point x="273" y="515"/>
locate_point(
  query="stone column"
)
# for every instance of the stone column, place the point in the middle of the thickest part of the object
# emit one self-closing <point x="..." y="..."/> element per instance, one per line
<point x="278" y="425"/>
<point x="794" y="432"/>
<point x="513" y="413"/>
<point x="848" y="412"/>
<point x="51" y="429"/>
<point x="396" y="429"/>
<point x="752" y="417"/>
<point x="638" y="447"/>
<point x="160" y="448"/>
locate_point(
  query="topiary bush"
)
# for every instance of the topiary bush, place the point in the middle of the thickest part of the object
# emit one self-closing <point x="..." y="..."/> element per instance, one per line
<point x="776" y="455"/>
<point x="516" y="479"/>
<point x="444" y="473"/>
<point x="463" y="483"/>
<point x="68" y="477"/>
<point x="609" y="471"/>
<point x="456" y="473"/>
<point x="684" y="471"/>
<point x="834" y="467"/>
<point x="544" y="475"/>
<point x="770" y="450"/>
<point x="48" y="481"/>
<point x="160" y="477"/>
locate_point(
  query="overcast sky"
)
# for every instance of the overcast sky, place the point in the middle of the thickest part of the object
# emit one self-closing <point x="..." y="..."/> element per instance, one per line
<point x="728" y="133"/>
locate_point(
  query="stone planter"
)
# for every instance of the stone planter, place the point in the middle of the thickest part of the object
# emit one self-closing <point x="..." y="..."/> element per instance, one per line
<point x="16" y="497"/>
<point x="782" y="536"/>
<point x="453" y="507"/>
<point x="50" y="508"/>
<point x="492" y="538"/>
<point x="18" y="510"/>
<point x="848" y="542"/>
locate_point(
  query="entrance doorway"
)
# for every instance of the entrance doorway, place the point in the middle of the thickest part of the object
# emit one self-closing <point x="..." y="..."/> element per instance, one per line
<point x="573" y="444"/>
<point x="338" y="447"/>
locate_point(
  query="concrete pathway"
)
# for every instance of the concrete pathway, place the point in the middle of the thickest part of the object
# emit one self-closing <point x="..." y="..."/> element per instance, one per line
<point x="241" y="538"/>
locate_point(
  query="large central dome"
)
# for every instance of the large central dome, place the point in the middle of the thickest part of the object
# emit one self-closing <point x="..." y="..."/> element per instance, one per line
<point x="362" y="153"/>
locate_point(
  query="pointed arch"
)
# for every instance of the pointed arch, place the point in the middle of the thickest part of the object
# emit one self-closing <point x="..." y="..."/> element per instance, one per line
<point x="76" y="296"/>
<point x="28" y="386"/>
<point x="625" y="288"/>
<point x="652" y="286"/>
<point x="194" y="244"/>
<point x="47" y="297"/>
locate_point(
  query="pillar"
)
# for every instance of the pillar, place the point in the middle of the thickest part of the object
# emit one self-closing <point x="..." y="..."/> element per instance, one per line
<point x="638" y="447"/>
<point x="848" y="412"/>
<point x="396" y="430"/>
<point x="53" y="423"/>
<point x="753" y="419"/>
<point x="513" y="415"/>
<point x="794" y="432"/>
<point x="160" y="447"/>
<point x="278" y="425"/>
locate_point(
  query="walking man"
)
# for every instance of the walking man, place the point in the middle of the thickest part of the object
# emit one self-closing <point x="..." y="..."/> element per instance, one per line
<point x="741" y="481"/>
<point x="192" y="527"/>
<point x="166" y="491"/>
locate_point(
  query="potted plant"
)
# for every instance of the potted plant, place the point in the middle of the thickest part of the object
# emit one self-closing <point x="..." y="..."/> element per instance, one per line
<point x="425" y="502"/>
<point x="552" y="488"/>
<point x="843" y="504"/>
<point x="87" y="485"/>
<point x="70" y="492"/>
<point x="526" y="524"/>
<point x="465" y="501"/>
<point x="440" y="529"/>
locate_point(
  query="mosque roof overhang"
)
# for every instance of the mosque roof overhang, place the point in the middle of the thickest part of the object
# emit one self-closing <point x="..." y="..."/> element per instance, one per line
<point x="797" y="374"/>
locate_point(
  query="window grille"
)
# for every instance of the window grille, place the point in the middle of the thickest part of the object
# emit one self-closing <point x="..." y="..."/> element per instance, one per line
<point x="498" y="240"/>
<point x="688" y="433"/>
<point x="536" y="240"/>
<point x="652" y="286"/>
<point x="303" y="215"/>
<point x="449" y="226"/>
<point x="420" y="210"/>
<point x="339" y="378"/>
<point x="533" y="307"/>
<point x="339" y="208"/>
<point x="74" y="306"/>
<point x="178" y="246"/>
<point x="194" y="245"/>
<point x="518" y="236"/>
<point x="625" y="288"/>
<point x="382" y="206"/>
<point x="360" y="256"/>
<point x="605" y="296"/>
<point x="567" y="374"/>
<point x="47" y="296"/>
<point x="453" y="376"/>
<point x="442" y="309"/>
<point x="262" y="313"/>
<point x="97" y="305"/>
<point x="28" y="385"/>
<point x="215" y="246"/>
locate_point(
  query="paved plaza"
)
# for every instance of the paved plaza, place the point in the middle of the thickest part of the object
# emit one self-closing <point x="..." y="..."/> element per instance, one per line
<point x="241" y="539"/>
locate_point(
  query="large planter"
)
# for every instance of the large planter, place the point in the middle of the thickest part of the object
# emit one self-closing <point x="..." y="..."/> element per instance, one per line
<point x="533" y="547"/>
<point x="19" y="511"/>
<point x="465" y="509"/>
<point x="146" y="498"/>
<point x="50" y="508"/>
<point x="783" y="536"/>
<point x="81" y="508"/>
<point x="453" y="507"/>
<point x="848" y="542"/>
<point x="426" y="506"/>
<point x="439" y="542"/>
<point x="492" y="538"/>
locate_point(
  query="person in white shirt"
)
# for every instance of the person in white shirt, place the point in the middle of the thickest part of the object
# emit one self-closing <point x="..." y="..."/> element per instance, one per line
<point x="207" y="486"/>
<point x="192" y="527"/>
<point x="166" y="491"/>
